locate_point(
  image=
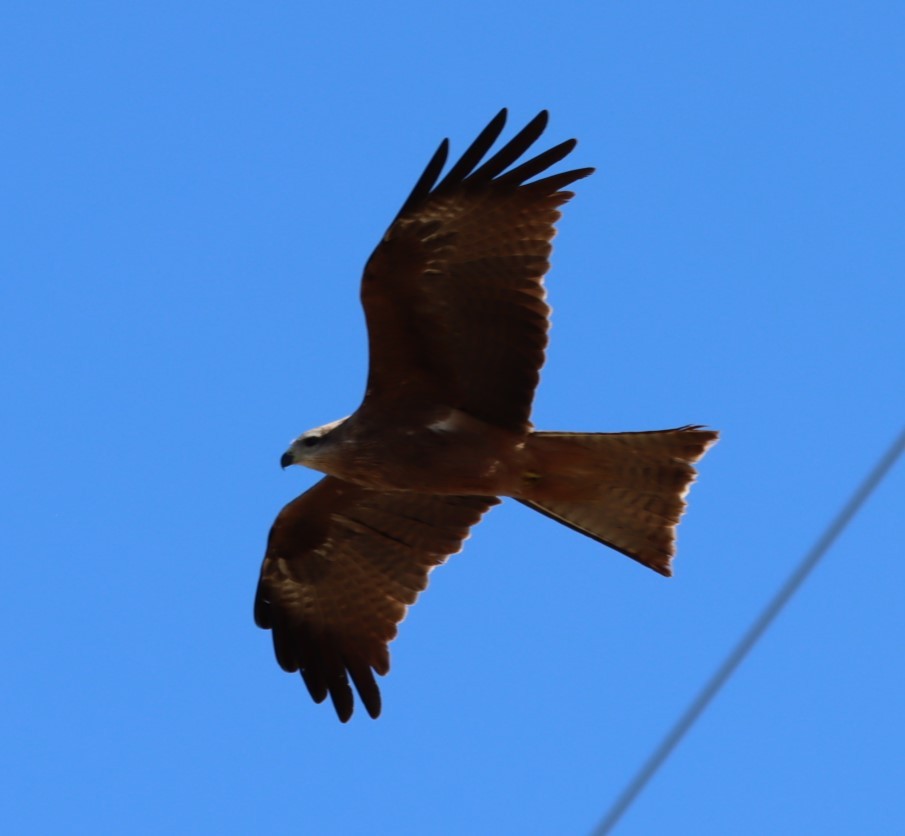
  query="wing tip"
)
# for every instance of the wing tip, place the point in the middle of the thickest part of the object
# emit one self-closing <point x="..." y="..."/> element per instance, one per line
<point x="469" y="168"/>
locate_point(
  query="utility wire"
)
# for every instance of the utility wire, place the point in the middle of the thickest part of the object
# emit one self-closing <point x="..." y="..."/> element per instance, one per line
<point x="750" y="638"/>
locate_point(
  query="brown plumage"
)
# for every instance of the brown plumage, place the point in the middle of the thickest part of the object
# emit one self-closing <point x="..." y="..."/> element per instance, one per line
<point x="457" y="327"/>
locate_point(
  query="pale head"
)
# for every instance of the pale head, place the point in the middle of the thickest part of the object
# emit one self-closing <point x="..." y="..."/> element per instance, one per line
<point x="311" y="447"/>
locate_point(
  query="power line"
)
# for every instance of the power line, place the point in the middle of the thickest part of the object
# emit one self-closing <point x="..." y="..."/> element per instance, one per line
<point x="750" y="638"/>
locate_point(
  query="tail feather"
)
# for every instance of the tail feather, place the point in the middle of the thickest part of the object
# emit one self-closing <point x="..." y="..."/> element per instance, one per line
<point x="625" y="490"/>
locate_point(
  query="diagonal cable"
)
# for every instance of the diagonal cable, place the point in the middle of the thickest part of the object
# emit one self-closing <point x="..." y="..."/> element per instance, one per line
<point x="697" y="707"/>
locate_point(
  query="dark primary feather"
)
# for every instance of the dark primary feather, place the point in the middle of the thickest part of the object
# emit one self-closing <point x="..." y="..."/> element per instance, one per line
<point x="427" y="179"/>
<point x="475" y="152"/>
<point x="513" y="149"/>
<point x="464" y="168"/>
<point x="540" y="163"/>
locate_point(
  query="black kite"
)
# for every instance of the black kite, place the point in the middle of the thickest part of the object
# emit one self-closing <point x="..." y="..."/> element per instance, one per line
<point x="457" y="327"/>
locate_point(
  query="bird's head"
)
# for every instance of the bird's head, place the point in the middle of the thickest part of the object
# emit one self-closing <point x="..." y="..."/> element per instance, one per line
<point x="311" y="447"/>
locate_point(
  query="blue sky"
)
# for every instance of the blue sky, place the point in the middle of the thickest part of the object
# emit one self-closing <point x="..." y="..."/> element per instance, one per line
<point x="190" y="192"/>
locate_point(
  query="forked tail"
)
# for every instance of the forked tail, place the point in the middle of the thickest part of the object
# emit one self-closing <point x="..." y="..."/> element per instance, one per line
<point x="625" y="490"/>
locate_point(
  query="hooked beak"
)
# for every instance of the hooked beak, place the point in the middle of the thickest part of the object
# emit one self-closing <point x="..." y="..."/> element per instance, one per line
<point x="286" y="459"/>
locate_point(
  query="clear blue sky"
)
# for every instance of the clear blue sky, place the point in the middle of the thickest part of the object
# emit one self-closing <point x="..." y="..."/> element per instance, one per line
<point x="189" y="194"/>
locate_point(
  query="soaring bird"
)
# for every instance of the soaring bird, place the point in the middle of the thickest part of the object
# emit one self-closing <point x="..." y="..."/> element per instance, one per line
<point x="457" y="326"/>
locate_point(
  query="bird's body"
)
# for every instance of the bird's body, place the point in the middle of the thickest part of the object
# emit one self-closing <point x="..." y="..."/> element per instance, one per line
<point x="457" y="326"/>
<point x="422" y="451"/>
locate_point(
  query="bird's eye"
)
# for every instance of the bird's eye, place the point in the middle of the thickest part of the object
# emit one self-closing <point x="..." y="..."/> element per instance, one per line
<point x="310" y="441"/>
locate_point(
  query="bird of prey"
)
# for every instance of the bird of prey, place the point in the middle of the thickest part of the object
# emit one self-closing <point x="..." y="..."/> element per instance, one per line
<point x="457" y="326"/>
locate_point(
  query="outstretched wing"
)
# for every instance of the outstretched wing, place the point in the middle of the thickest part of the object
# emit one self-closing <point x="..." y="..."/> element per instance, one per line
<point x="454" y="294"/>
<point x="343" y="564"/>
